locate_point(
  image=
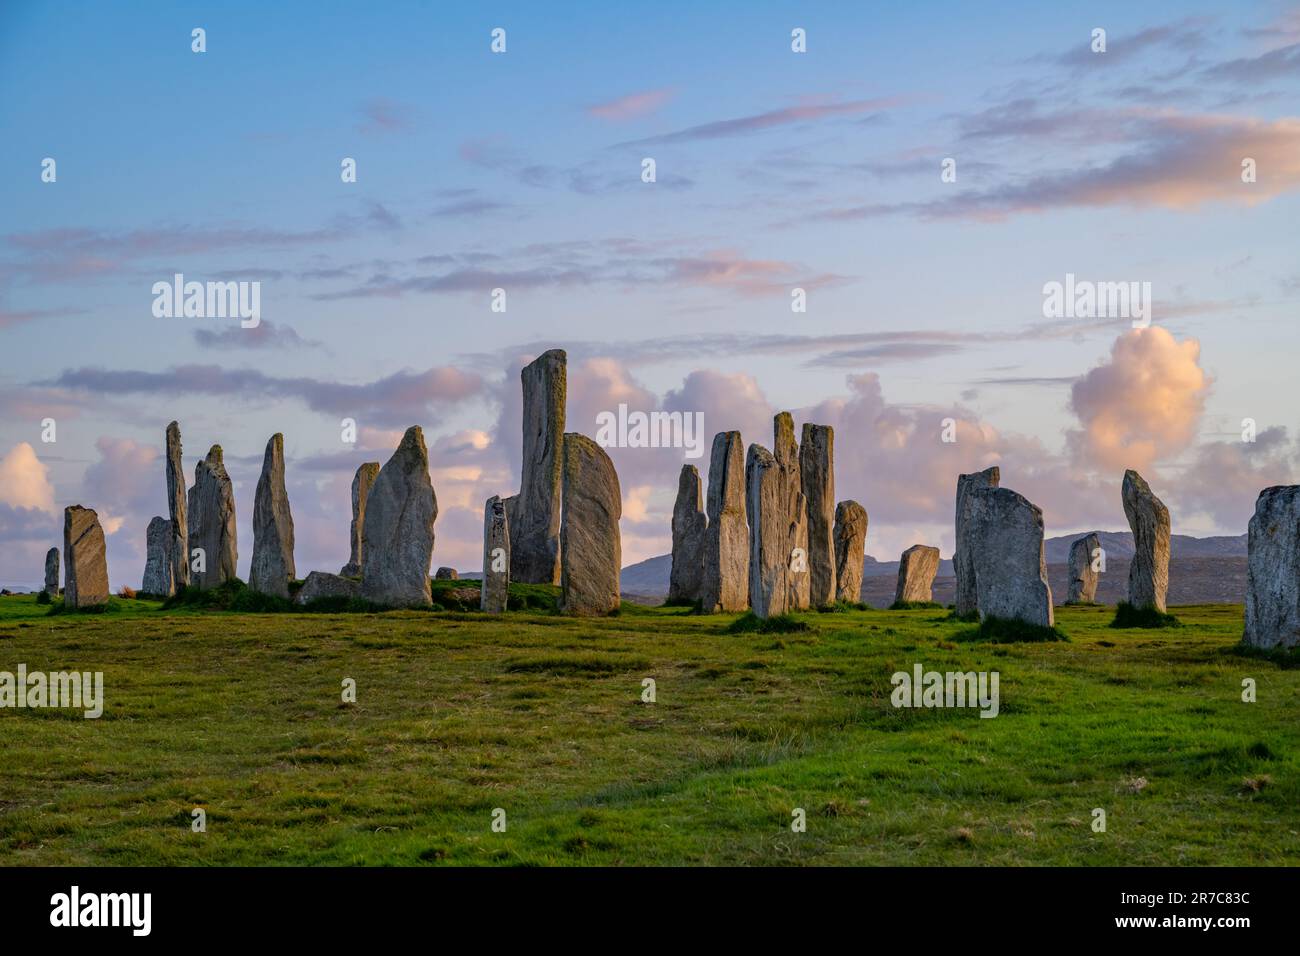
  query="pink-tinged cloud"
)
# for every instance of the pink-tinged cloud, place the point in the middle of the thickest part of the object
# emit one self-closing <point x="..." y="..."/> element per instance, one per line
<point x="1224" y="478"/>
<point x="742" y="125"/>
<point x="630" y="106"/>
<point x="1140" y="405"/>
<point x="25" y="480"/>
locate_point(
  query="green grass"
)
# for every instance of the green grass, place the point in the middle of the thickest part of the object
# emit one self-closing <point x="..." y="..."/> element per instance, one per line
<point x="915" y="606"/>
<point x="542" y="715"/>
<point x="1126" y="615"/>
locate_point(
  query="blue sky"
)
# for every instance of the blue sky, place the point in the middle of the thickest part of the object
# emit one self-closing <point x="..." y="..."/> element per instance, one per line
<point x="522" y="171"/>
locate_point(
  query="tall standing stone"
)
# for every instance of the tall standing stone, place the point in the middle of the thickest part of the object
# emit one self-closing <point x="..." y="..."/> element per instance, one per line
<point x="85" y="581"/>
<point x="157" y="561"/>
<point x="916" y="570"/>
<point x="52" y="572"/>
<point x="272" y="568"/>
<point x="591" y="551"/>
<point x="1148" y="573"/>
<point x="178" y="554"/>
<point x="1273" y="570"/>
<point x="786" y="452"/>
<point x="726" y="541"/>
<point x="212" y="521"/>
<point x="495" y="594"/>
<point x="397" y="537"/>
<point x="963" y="565"/>
<point x="850" y="546"/>
<point x="534" y="515"/>
<point x="817" y="476"/>
<point x="361" y="482"/>
<point x="769" y="533"/>
<point x="1005" y="533"/>
<point x="1083" y="579"/>
<point x="690" y="529"/>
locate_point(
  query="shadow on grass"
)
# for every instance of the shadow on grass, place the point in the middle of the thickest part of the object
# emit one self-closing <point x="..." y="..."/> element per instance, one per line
<point x="999" y="630"/>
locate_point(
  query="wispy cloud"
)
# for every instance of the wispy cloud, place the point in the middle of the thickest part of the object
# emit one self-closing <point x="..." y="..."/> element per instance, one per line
<point x="631" y="105"/>
<point x="744" y="125"/>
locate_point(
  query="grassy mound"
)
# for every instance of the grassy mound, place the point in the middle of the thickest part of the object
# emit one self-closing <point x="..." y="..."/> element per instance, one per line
<point x="1003" y="630"/>
<point x="751" y="623"/>
<point x="1126" y="615"/>
<point x="843" y="607"/>
<point x="915" y="606"/>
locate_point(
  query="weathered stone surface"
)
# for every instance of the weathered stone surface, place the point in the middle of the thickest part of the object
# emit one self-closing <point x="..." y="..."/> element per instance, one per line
<point x="446" y="574"/>
<point x="52" y="572"/>
<point x="178" y="564"/>
<point x="850" y="546"/>
<point x="817" y="476"/>
<point x="1148" y="573"/>
<point x="726" y="542"/>
<point x="272" y="568"/>
<point x="157" y="562"/>
<point x="495" y="593"/>
<point x="916" y="570"/>
<point x="320" y="584"/>
<point x="397" y="536"/>
<point x="535" y="514"/>
<point x="1083" y="579"/>
<point x="1273" y="570"/>
<point x="85" y="581"/>
<point x="1005" y="534"/>
<point x="769" y="533"/>
<point x="212" y="522"/>
<point x="361" y="483"/>
<point x="591" y="550"/>
<point x="786" y="452"/>
<point x="962" y="565"/>
<point x="690" y="531"/>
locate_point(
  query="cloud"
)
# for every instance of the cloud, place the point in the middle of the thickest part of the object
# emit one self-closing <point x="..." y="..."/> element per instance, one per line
<point x="1282" y="63"/>
<point x="744" y="125"/>
<point x="631" y="105"/>
<point x="382" y="115"/>
<point x="24" y="480"/>
<point x="1140" y="405"/>
<point x="1184" y="35"/>
<point x="1224" y="478"/>
<point x="265" y="335"/>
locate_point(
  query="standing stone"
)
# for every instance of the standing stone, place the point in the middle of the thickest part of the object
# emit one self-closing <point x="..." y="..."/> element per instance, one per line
<point x="85" y="582"/>
<point x="916" y="570"/>
<point x="817" y="476"/>
<point x="535" y="516"/>
<point x="726" y="541"/>
<point x="52" y="572"/>
<point x="361" y="482"/>
<point x="446" y="574"/>
<point x="690" y="529"/>
<point x="1148" y="574"/>
<point x="272" y="568"/>
<point x="591" y="551"/>
<point x="495" y="593"/>
<point x="769" y="533"/>
<point x="1083" y="579"/>
<point x="178" y="560"/>
<point x="786" y="452"/>
<point x="397" y="537"/>
<point x="850" y="546"/>
<point x="963" y="565"/>
<point x="157" y="562"/>
<point x="212" y="521"/>
<point x="1273" y="570"/>
<point x="1005" y="533"/>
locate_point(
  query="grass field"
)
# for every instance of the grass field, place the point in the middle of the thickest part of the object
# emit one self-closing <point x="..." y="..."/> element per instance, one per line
<point x="541" y="716"/>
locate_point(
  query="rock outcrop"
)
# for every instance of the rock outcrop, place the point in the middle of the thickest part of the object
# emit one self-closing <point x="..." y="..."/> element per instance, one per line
<point x="850" y="547"/>
<point x="1148" y="572"/>
<point x="272" y="568"/>
<point x="916" y="570"/>
<point x="212" y="522"/>
<point x="178" y="554"/>
<point x="52" y="572"/>
<point x="1005" y="533"/>
<point x="769" y="533"/>
<point x="495" y="594"/>
<point x="397" y="536"/>
<point x="446" y="574"/>
<point x="591" y="550"/>
<point x="690" y="530"/>
<point x="534" y="514"/>
<point x="322" y="584"/>
<point x="726" y="543"/>
<point x="1083" y="579"/>
<point x="1273" y="570"/>
<point x="158" y="556"/>
<point x="962" y="563"/>
<point x="817" y="476"/>
<point x="85" y="580"/>
<point x="361" y="483"/>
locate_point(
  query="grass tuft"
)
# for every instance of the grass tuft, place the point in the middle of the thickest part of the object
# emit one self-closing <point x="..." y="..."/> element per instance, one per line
<point x="1003" y="630"/>
<point x="915" y="606"/>
<point x="1126" y="615"/>
<point x="751" y="623"/>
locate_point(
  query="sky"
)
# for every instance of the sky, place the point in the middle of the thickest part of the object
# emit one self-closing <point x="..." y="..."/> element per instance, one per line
<point x="522" y="170"/>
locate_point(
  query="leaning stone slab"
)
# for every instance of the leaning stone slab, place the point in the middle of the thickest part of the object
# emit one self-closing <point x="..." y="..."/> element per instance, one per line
<point x="361" y="483"/>
<point x="85" y="581"/>
<point x="786" y="452"/>
<point x="178" y="562"/>
<point x="916" y="570"/>
<point x="321" y="584"/>
<point x="1005" y="534"/>
<point x="850" y="547"/>
<point x="272" y="568"/>
<point x="397" y="537"/>
<point x="962" y="565"/>
<point x="769" y="533"/>
<point x="494" y="596"/>
<point x="535" y="516"/>
<point x="1083" y="579"/>
<point x="1148" y="573"/>
<point x="690" y="530"/>
<point x="52" y="572"/>
<point x="157" y="563"/>
<point x="212" y="522"/>
<point x="817" y="476"/>
<point x="726" y="545"/>
<point x="591" y="551"/>
<point x="1273" y="570"/>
